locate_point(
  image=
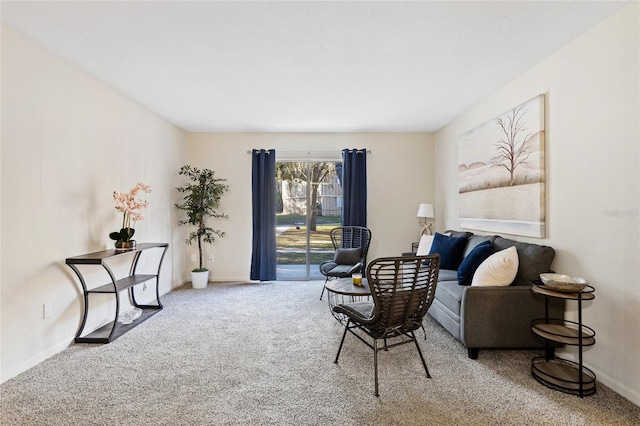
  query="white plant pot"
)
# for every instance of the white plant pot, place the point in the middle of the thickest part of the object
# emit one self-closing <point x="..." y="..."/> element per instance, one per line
<point x="199" y="279"/>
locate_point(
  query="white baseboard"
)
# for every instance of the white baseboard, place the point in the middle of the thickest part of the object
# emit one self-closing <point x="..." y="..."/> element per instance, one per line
<point x="35" y="360"/>
<point x="53" y="350"/>
<point x="628" y="393"/>
<point x="228" y="279"/>
<point x="246" y="279"/>
<point x="177" y="284"/>
<point x="621" y="389"/>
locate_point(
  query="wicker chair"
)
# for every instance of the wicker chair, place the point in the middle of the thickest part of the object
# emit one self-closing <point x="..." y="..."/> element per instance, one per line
<point x="346" y="237"/>
<point x="402" y="290"/>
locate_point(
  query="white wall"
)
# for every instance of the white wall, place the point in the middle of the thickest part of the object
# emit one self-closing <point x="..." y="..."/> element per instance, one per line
<point x="592" y="93"/>
<point x="67" y="143"/>
<point x="400" y="172"/>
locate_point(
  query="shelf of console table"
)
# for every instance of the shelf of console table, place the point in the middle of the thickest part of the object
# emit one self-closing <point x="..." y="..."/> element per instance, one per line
<point x="111" y="331"/>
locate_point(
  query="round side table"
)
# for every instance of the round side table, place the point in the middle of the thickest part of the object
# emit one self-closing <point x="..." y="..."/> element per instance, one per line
<point x="344" y="291"/>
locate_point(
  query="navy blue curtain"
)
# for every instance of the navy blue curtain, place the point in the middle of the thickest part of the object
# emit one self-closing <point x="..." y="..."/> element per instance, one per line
<point x="354" y="187"/>
<point x="263" y="185"/>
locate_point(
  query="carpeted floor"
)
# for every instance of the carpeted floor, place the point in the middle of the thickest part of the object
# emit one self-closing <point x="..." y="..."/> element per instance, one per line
<point x="262" y="354"/>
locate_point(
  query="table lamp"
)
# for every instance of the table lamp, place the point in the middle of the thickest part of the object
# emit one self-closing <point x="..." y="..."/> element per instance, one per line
<point x="425" y="211"/>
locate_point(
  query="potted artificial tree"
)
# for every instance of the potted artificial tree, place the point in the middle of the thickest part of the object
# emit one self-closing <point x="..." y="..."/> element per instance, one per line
<point x="201" y="200"/>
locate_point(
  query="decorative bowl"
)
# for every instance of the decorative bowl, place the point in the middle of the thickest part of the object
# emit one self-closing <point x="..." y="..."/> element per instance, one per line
<point x="564" y="283"/>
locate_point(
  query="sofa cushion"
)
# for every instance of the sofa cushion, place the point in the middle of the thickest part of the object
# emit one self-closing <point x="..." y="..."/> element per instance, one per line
<point x="474" y="240"/>
<point x="447" y="275"/>
<point x="450" y="250"/>
<point x="457" y="234"/>
<point x="343" y="271"/>
<point x="499" y="269"/>
<point x="347" y="256"/>
<point x="470" y="263"/>
<point x="535" y="259"/>
<point x="449" y="293"/>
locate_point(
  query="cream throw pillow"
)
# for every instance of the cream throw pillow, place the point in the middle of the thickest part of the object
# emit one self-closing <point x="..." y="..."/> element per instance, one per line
<point x="424" y="247"/>
<point x="499" y="269"/>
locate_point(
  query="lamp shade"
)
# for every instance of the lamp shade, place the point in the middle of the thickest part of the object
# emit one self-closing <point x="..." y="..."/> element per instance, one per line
<point x="425" y="210"/>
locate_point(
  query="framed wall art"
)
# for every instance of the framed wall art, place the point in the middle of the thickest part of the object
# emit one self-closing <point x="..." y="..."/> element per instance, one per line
<point x="501" y="173"/>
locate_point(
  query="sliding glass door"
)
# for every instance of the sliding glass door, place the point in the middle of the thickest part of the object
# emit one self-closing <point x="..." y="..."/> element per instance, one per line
<point x="309" y="203"/>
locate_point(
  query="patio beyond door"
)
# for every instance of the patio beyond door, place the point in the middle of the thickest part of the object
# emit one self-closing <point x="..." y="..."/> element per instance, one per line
<point x="309" y="205"/>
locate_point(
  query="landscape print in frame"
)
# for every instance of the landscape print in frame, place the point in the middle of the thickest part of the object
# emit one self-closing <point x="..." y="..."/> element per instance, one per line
<point x="501" y="173"/>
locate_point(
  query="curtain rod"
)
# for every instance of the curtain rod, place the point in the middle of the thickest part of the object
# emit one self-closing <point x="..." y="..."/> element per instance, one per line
<point x="306" y="152"/>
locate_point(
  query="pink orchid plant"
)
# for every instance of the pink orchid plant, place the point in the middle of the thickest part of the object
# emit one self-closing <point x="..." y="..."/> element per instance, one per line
<point x="130" y="206"/>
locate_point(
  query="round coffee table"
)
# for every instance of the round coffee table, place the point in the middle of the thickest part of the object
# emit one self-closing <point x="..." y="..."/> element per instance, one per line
<point x="343" y="291"/>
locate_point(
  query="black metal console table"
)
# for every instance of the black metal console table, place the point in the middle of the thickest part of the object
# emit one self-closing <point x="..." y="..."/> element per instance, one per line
<point x="114" y="329"/>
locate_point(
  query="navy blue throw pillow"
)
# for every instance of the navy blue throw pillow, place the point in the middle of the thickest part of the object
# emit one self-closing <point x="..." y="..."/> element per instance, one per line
<point x="450" y="250"/>
<point x="470" y="263"/>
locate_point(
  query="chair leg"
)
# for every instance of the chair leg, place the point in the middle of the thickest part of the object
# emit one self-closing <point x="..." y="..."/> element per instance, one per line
<point x="346" y="328"/>
<point x="424" y="364"/>
<point x="375" y="365"/>
<point x="325" y="283"/>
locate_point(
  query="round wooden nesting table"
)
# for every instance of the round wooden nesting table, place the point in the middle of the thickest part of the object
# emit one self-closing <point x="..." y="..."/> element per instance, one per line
<point x="344" y="291"/>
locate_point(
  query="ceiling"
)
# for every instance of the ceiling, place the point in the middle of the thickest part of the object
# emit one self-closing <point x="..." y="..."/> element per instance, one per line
<point x="304" y="66"/>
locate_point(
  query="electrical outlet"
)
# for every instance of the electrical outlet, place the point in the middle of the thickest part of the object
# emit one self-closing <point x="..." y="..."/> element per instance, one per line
<point x="211" y="257"/>
<point x="47" y="310"/>
<point x="194" y="258"/>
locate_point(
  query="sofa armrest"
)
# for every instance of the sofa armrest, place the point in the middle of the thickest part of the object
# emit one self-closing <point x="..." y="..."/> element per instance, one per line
<point x="500" y="317"/>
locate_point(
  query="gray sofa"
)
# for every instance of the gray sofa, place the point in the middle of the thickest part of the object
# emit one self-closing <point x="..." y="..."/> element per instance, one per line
<point x="495" y="317"/>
